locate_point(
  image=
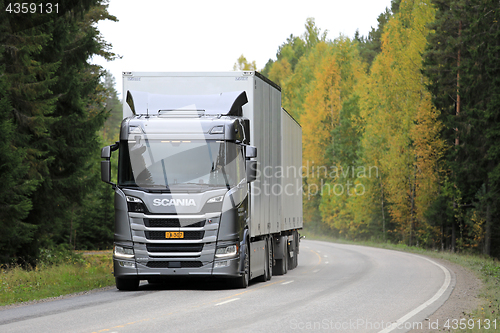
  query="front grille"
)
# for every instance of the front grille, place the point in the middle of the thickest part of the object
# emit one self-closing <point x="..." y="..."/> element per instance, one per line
<point x="174" y="264"/>
<point x="188" y="235"/>
<point x="174" y="247"/>
<point x="174" y="223"/>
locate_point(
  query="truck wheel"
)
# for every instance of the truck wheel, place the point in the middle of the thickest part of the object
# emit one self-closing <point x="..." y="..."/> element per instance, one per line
<point x="296" y="253"/>
<point x="293" y="262"/>
<point x="242" y="281"/>
<point x="269" y="260"/>
<point x="127" y="284"/>
<point x="286" y="259"/>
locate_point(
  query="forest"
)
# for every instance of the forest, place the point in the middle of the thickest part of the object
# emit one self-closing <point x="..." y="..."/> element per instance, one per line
<point x="399" y="127"/>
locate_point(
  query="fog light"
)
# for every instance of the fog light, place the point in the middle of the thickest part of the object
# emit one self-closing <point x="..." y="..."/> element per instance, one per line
<point x="127" y="264"/>
<point x="219" y="264"/>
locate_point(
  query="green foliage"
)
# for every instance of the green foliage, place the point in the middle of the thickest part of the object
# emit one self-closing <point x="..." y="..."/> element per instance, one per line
<point x="111" y="130"/>
<point x="371" y="45"/>
<point x="464" y="81"/>
<point x="15" y="202"/>
<point x="59" y="272"/>
<point x="52" y="110"/>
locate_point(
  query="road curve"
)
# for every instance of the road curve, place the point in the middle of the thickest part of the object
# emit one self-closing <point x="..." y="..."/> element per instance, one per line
<point x="335" y="288"/>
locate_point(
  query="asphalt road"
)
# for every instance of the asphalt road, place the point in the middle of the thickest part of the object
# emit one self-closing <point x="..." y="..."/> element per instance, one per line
<point x="337" y="288"/>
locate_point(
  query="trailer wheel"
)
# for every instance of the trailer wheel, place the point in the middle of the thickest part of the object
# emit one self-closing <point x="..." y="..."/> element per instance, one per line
<point x="291" y="258"/>
<point x="127" y="284"/>
<point x="269" y="259"/>
<point x="296" y="250"/>
<point x="286" y="259"/>
<point x="243" y="280"/>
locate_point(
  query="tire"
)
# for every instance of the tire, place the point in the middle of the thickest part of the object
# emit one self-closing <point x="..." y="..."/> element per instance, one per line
<point x="243" y="280"/>
<point x="270" y="259"/>
<point x="293" y="262"/>
<point x="296" y="251"/>
<point x="127" y="284"/>
<point x="286" y="259"/>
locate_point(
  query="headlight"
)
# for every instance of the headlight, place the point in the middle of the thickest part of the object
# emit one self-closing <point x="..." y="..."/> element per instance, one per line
<point x="123" y="252"/>
<point x="135" y="205"/>
<point x="216" y="199"/>
<point x="227" y="251"/>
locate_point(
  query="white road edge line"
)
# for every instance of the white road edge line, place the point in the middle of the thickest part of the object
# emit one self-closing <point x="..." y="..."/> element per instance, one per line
<point x="228" y="301"/>
<point x="440" y="292"/>
<point x="287" y="282"/>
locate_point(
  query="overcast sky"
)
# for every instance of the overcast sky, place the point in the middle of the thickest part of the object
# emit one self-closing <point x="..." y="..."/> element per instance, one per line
<point x="195" y="35"/>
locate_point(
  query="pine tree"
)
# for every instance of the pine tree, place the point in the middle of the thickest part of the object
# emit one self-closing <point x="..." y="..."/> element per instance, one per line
<point x="77" y="117"/>
<point x="27" y="103"/>
<point x="461" y="63"/>
<point x="479" y="90"/>
<point x="15" y="202"/>
<point x="52" y="113"/>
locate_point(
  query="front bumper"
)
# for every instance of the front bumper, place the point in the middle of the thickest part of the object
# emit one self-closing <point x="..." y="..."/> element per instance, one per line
<point x="124" y="268"/>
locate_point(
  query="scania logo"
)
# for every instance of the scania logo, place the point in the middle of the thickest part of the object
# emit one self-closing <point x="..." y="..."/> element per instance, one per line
<point x="174" y="202"/>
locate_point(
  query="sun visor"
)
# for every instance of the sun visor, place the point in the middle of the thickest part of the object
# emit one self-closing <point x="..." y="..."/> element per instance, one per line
<point x="227" y="103"/>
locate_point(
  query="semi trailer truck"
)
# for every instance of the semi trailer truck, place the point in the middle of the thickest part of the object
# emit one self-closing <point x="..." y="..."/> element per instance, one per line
<point x="209" y="179"/>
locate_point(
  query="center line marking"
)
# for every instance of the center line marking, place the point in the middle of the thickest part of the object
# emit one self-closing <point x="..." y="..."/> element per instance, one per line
<point x="229" y="300"/>
<point x="287" y="282"/>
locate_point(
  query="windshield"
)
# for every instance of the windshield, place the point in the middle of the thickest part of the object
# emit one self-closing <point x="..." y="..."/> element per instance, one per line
<point x="167" y="164"/>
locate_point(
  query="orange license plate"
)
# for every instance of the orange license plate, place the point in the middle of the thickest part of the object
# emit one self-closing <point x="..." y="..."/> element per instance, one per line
<point x="174" y="234"/>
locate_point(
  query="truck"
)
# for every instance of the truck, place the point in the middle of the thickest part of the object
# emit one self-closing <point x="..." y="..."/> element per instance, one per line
<point x="209" y="179"/>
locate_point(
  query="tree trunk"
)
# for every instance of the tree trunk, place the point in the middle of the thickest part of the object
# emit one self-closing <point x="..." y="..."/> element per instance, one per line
<point x="487" y="227"/>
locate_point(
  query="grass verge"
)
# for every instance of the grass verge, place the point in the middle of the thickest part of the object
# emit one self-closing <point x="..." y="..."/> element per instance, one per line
<point x="485" y="268"/>
<point x="75" y="273"/>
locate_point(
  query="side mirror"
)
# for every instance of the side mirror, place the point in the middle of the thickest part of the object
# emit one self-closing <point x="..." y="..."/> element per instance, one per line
<point x="251" y="170"/>
<point x="106" y="164"/>
<point x="106" y="171"/>
<point x="106" y="152"/>
<point x="250" y="152"/>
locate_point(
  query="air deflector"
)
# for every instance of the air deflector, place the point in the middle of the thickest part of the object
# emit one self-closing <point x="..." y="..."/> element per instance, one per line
<point x="226" y="103"/>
